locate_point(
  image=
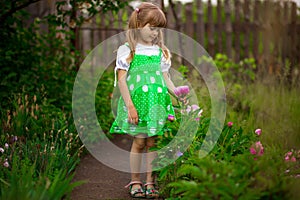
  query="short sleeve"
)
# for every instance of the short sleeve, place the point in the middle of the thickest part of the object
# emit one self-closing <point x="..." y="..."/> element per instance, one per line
<point x="165" y="64"/>
<point x="122" y="54"/>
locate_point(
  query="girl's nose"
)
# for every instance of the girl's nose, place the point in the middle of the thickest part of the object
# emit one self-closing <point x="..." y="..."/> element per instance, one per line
<point x="155" y="33"/>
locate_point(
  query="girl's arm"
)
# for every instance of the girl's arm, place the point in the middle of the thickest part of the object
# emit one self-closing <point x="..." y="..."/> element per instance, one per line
<point x="172" y="87"/>
<point x="169" y="82"/>
<point x="132" y="113"/>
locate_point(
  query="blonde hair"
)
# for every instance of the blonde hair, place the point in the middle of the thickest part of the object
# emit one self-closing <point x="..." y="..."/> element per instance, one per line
<point x="141" y="16"/>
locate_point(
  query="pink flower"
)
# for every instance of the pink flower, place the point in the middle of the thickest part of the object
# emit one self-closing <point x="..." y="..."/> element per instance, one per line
<point x="229" y="124"/>
<point x="293" y="159"/>
<point x="259" y="146"/>
<point x="252" y="151"/>
<point x="6" y="164"/>
<point x="181" y="91"/>
<point x="6" y="145"/>
<point x="257" y="149"/>
<point x="193" y="108"/>
<point x="171" y="118"/>
<point x="290" y="157"/>
<point x="289" y="153"/>
<point x="258" y="131"/>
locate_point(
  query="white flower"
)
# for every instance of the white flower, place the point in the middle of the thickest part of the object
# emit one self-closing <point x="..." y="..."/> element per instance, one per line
<point x="1" y="150"/>
<point x="6" y="145"/>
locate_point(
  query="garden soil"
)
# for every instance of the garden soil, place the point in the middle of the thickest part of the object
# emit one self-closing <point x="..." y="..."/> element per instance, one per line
<point x="102" y="182"/>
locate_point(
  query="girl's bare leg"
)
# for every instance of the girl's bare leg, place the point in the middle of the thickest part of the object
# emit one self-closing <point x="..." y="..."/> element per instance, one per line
<point x="137" y="148"/>
<point x="150" y="142"/>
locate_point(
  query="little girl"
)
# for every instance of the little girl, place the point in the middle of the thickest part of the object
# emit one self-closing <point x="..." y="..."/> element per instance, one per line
<point x="142" y="67"/>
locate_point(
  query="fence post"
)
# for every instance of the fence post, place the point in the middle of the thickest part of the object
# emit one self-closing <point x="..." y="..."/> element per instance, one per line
<point x="256" y="32"/>
<point x="200" y="28"/>
<point x="237" y="25"/>
<point x="246" y="26"/>
<point x="210" y="29"/>
<point x="219" y="26"/>
<point x="228" y="28"/>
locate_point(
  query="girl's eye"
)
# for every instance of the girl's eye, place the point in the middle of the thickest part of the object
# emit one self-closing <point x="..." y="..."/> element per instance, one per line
<point x="153" y="29"/>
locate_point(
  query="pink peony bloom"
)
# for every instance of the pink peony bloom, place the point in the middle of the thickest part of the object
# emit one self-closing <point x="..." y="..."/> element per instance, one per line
<point x="229" y="124"/>
<point x="258" y="131"/>
<point x="195" y="107"/>
<point x="171" y="118"/>
<point x="181" y="91"/>
<point x="257" y="149"/>
<point x="293" y="159"/>
<point x="252" y="151"/>
<point x="290" y="153"/>
<point x="260" y="148"/>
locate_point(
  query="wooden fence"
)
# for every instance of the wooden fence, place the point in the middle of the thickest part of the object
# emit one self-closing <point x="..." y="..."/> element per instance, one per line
<point x="265" y="30"/>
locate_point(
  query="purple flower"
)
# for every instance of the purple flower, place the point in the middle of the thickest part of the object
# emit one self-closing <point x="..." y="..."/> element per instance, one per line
<point x="258" y="132"/>
<point x="181" y="91"/>
<point x="229" y="124"/>
<point x="193" y="108"/>
<point x="171" y="118"/>
<point x="179" y="153"/>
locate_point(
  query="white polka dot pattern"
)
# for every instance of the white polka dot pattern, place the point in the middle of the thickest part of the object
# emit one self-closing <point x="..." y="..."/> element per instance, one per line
<point x="131" y="87"/>
<point x="145" y="88"/>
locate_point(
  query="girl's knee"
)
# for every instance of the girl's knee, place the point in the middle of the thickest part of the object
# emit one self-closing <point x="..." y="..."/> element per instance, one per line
<point x="139" y="143"/>
<point x="150" y="142"/>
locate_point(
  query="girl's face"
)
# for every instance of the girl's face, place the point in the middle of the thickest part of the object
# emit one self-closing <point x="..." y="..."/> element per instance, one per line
<point x="148" y="34"/>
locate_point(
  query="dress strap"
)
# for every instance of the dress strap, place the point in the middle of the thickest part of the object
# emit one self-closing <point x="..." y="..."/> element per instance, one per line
<point x="115" y="81"/>
<point x="160" y="52"/>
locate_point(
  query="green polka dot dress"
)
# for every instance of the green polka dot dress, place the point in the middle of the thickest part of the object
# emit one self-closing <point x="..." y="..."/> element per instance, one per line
<point x="149" y="94"/>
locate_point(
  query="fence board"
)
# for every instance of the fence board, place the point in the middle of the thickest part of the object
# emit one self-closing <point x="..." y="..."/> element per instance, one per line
<point x="237" y="31"/>
<point x="189" y="25"/>
<point x="256" y="33"/>
<point x="228" y="28"/>
<point x="219" y="26"/>
<point x="200" y="28"/>
<point x="265" y="30"/>
<point x="247" y="36"/>
<point x="210" y="30"/>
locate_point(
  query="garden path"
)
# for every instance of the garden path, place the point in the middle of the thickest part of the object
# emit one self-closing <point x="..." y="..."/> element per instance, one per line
<point x="102" y="182"/>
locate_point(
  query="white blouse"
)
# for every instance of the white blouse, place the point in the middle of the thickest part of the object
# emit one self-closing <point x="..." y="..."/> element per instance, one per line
<point x="124" y="51"/>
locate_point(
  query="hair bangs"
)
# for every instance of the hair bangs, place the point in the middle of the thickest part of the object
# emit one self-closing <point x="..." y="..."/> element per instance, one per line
<point x="157" y="19"/>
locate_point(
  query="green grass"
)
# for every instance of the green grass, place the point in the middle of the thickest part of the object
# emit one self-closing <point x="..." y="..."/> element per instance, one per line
<point x="274" y="108"/>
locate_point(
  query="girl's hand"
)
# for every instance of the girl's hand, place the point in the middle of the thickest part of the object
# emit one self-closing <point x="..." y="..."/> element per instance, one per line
<point x="133" y="117"/>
